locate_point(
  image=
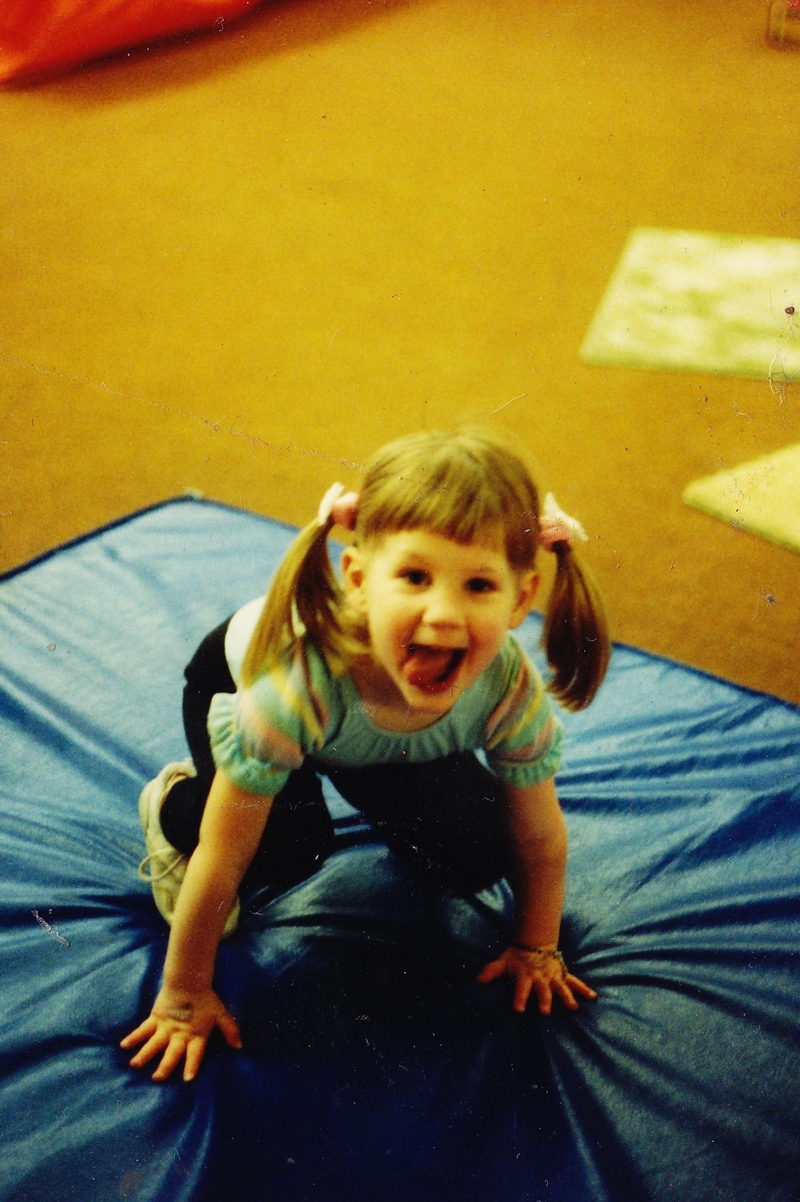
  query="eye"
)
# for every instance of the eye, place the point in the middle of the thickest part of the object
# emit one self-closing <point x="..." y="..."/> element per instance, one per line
<point x="414" y="576"/>
<point x="480" y="584"/>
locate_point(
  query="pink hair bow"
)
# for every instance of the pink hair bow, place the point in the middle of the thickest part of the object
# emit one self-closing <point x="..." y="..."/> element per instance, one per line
<point x="558" y="527"/>
<point x="339" y="507"/>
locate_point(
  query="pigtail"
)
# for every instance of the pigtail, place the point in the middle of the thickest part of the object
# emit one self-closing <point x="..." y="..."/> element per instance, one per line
<point x="305" y="597"/>
<point x="575" y="635"/>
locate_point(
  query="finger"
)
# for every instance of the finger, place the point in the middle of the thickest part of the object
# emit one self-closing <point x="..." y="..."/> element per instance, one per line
<point x="544" y="995"/>
<point x="579" y="986"/>
<point x="143" y="1031"/>
<point x="562" y="989"/>
<point x="194" y="1057"/>
<point x="171" y="1058"/>
<point x="157" y="1042"/>
<point x="230" y="1029"/>
<point x="522" y="991"/>
<point x="492" y="971"/>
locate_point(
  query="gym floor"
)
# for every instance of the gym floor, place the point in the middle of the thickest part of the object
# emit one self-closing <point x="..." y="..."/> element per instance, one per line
<point x="239" y="262"/>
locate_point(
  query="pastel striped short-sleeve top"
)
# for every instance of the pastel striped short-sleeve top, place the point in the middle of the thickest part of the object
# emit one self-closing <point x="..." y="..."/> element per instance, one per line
<point x="261" y="733"/>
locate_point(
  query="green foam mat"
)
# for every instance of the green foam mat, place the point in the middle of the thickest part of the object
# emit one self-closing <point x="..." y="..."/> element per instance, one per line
<point x="689" y="301"/>
<point x="762" y="497"/>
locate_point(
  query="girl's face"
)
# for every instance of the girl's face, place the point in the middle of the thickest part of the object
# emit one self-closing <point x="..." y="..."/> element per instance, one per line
<point x="437" y="611"/>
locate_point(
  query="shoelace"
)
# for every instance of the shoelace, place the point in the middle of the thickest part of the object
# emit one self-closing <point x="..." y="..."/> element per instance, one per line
<point x="171" y="864"/>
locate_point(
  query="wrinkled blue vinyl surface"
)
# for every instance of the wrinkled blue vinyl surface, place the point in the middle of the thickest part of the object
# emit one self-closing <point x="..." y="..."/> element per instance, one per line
<point x="375" y="1068"/>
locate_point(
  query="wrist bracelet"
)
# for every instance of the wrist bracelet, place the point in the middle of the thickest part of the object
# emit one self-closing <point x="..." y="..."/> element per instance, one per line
<point x="542" y="951"/>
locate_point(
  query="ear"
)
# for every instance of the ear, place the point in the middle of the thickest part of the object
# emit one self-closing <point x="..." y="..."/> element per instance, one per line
<point x="353" y="577"/>
<point x="528" y="585"/>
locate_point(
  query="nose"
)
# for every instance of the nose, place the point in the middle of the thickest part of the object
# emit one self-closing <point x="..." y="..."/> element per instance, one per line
<point x="443" y="608"/>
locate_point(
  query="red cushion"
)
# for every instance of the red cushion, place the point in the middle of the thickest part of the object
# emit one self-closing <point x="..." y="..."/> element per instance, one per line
<point x="41" y="37"/>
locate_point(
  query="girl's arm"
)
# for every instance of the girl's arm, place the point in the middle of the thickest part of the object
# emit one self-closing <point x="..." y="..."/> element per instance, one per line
<point x="187" y="1009"/>
<point x="539" y="848"/>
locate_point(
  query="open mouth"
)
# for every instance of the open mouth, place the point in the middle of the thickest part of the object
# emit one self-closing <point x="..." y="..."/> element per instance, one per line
<point x="432" y="669"/>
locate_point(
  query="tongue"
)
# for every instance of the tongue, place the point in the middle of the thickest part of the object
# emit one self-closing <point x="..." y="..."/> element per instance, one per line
<point x="428" y="667"/>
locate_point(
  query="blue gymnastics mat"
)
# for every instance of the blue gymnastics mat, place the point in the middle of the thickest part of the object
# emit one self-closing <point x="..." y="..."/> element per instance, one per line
<point x="375" y="1068"/>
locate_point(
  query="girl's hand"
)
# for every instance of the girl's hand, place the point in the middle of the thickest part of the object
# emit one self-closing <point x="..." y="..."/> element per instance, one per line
<point x="179" y="1025"/>
<point x="540" y="972"/>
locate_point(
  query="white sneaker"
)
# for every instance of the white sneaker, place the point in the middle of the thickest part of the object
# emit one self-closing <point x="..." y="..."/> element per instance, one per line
<point x="164" y="866"/>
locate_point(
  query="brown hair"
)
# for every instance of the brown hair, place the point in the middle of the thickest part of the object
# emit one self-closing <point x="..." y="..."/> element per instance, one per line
<point x="462" y="485"/>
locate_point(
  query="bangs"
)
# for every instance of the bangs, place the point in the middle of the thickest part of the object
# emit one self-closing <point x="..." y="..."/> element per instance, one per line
<point x="467" y="487"/>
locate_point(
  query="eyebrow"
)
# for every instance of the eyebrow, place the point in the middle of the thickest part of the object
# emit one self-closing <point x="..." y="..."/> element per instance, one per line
<point x="418" y="559"/>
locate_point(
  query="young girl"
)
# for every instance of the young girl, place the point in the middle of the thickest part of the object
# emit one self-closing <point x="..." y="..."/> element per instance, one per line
<point x="387" y="683"/>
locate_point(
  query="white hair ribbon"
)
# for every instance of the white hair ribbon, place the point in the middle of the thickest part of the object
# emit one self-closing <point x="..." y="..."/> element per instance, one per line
<point x="556" y="526"/>
<point x="338" y="506"/>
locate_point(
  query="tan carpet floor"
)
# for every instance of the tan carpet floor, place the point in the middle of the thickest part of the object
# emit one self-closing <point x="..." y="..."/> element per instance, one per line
<point x="239" y="262"/>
